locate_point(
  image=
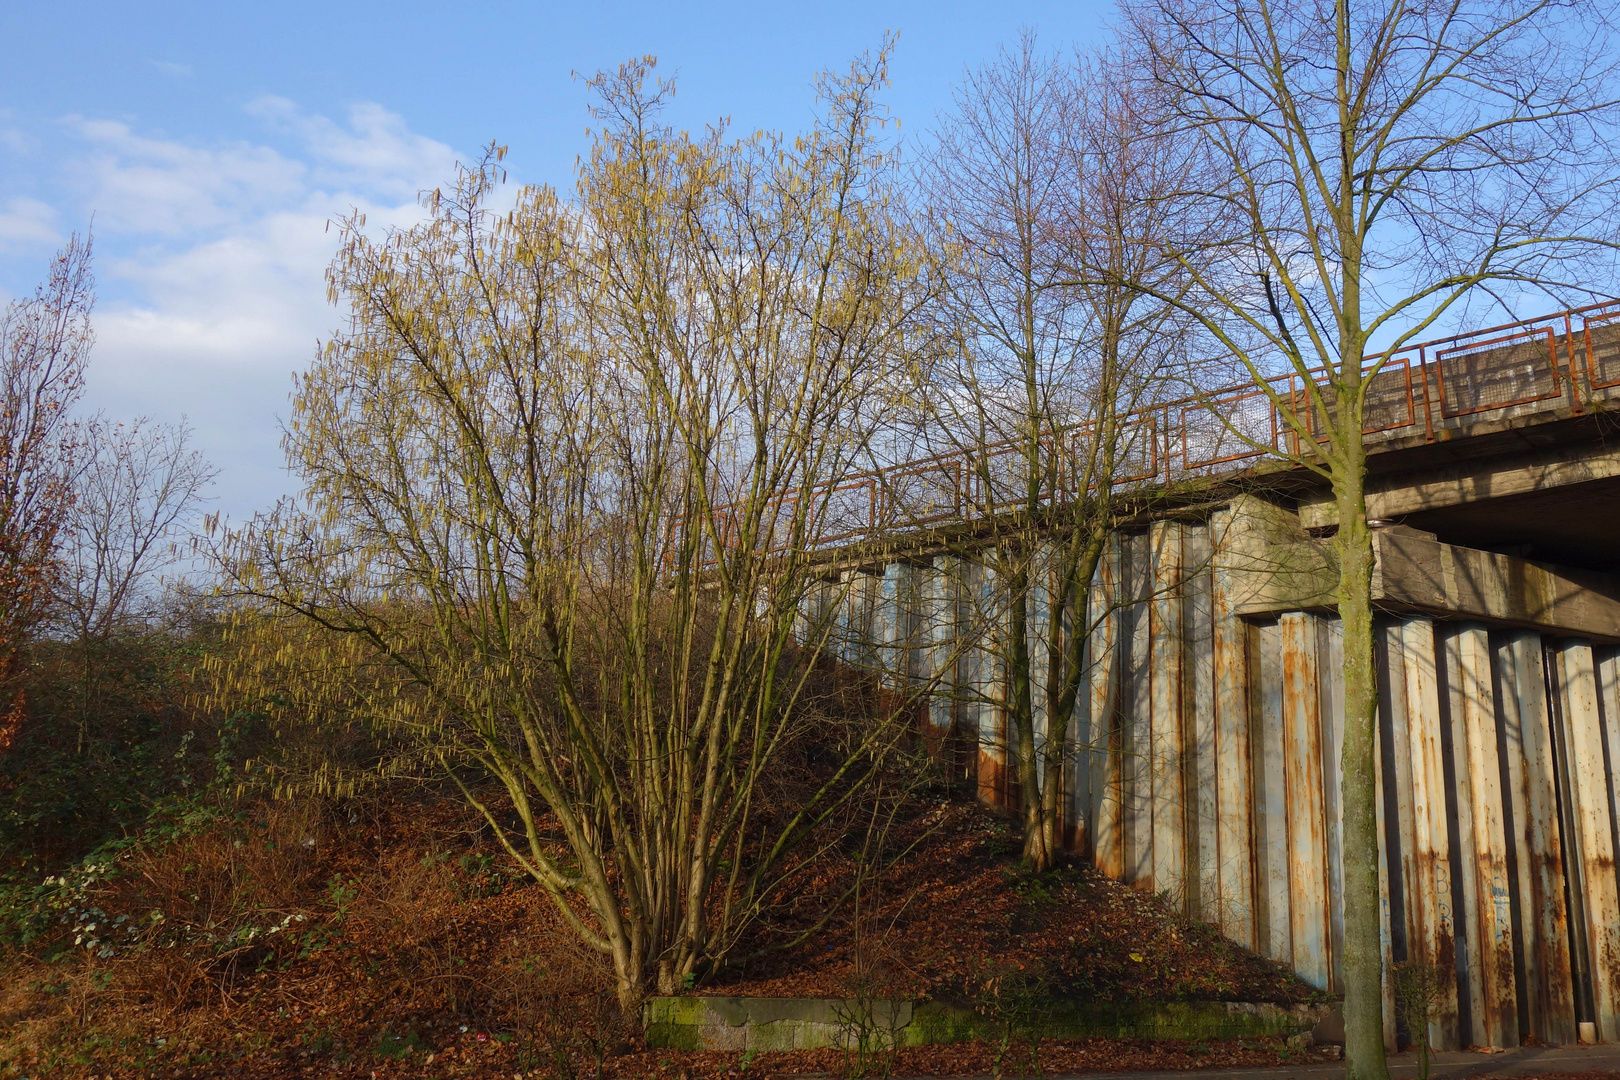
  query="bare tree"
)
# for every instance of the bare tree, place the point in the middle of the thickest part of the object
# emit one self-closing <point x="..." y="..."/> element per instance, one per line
<point x="1047" y="189"/>
<point x="1382" y="164"/>
<point x="565" y="472"/>
<point x="137" y="491"/>
<point x="44" y="342"/>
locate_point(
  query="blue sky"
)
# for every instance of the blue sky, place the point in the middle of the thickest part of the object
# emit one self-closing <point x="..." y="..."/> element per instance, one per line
<point x="212" y="142"/>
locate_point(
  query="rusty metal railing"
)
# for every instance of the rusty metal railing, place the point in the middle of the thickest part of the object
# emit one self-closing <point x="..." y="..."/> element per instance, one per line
<point x="1564" y="361"/>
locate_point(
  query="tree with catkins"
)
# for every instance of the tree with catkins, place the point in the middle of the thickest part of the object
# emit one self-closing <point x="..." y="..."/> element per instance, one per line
<point x="562" y="476"/>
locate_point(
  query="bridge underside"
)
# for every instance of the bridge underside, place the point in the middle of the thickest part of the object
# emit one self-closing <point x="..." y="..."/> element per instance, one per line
<point x="1203" y="759"/>
<point x="1575" y="526"/>
<point x="1539" y="487"/>
<point x="1204" y="756"/>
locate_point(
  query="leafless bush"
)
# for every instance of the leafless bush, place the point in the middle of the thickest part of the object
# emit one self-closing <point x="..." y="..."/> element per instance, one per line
<point x="1418" y="987"/>
<point x="1010" y="994"/>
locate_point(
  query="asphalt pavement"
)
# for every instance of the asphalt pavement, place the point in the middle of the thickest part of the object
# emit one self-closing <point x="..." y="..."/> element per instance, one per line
<point x="1458" y="1065"/>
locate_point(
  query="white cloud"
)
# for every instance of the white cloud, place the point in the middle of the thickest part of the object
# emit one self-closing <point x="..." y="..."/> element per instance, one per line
<point x="173" y="70"/>
<point x="28" y="222"/>
<point x="212" y="259"/>
<point x="376" y="150"/>
<point x="138" y="184"/>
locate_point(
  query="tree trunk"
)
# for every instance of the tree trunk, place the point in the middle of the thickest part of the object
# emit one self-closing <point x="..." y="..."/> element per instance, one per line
<point x="1363" y="945"/>
<point x="1021" y="721"/>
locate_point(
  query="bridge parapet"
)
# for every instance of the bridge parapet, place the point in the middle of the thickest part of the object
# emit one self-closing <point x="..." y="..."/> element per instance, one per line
<point x="1520" y="373"/>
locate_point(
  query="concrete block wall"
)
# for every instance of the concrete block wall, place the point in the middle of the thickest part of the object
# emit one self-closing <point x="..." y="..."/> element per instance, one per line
<point x="1203" y="762"/>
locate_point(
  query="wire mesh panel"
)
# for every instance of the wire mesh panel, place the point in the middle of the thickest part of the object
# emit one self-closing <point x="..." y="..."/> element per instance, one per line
<point x="1601" y="337"/>
<point x="845" y="511"/>
<point x="1388" y="403"/>
<point x="1139" y="457"/>
<point x="777" y="523"/>
<point x="999" y="477"/>
<point x="1515" y="368"/>
<point x="1231" y="426"/>
<point x="1083" y="459"/>
<point x="720" y="538"/>
<point x="923" y="492"/>
<point x="1077" y="459"/>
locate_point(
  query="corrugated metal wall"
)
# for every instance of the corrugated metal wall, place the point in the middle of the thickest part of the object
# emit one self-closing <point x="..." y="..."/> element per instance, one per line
<point x="1204" y="765"/>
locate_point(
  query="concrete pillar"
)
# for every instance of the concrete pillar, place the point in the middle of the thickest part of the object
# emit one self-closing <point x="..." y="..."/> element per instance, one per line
<point x="888" y="624"/>
<point x="1608" y="670"/>
<point x="1038" y="635"/>
<point x="1384" y="777"/>
<point x="846" y="621"/>
<point x="1275" y="920"/>
<point x="987" y="691"/>
<point x="1532" y="802"/>
<point x="1107" y="775"/>
<point x="1076" y="619"/>
<point x="939" y="630"/>
<point x="862" y="648"/>
<point x="1430" y="925"/>
<point x="1166" y="654"/>
<point x="1306" y="801"/>
<point x="1136" y="710"/>
<point x="1233" y="794"/>
<point x="1198" y="612"/>
<point x="1330" y="680"/>
<point x="816" y="608"/>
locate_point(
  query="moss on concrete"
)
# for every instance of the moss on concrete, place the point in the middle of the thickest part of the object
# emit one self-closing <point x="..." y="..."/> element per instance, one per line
<point x="936" y="1022"/>
<point x="714" y="1023"/>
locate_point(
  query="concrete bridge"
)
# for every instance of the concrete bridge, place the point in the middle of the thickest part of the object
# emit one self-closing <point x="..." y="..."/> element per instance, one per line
<point x="1205" y="757"/>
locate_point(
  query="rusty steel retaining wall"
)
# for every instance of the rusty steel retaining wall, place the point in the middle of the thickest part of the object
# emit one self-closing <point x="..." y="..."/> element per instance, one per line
<point x="1204" y="763"/>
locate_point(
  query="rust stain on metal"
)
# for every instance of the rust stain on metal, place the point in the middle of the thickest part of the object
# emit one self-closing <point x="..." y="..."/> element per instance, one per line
<point x="1430" y="918"/>
<point x="1306" y="801"/>
<point x="1596" y="846"/>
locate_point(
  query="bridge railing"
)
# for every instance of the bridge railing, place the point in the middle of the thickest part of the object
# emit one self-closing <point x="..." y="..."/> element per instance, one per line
<point x="1566" y="361"/>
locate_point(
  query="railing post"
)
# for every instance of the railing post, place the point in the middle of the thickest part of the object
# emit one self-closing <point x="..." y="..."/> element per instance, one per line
<point x="1428" y="411"/>
<point x="1577" y="406"/>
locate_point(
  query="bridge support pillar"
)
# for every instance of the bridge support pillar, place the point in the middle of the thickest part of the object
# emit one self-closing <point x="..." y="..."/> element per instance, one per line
<point x="1592" y="831"/>
<point x="1532" y="802"/>
<point x="1487" y="917"/>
